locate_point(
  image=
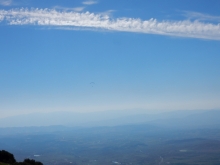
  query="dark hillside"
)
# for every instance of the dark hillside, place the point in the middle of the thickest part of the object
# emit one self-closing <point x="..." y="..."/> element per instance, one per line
<point x="7" y="158"/>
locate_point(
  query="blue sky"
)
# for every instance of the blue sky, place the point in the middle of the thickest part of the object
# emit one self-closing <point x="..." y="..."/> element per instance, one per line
<point x="85" y="56"/>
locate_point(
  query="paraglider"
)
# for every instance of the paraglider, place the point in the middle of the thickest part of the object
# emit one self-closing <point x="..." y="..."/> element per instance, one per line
<point x="92" y="84"/>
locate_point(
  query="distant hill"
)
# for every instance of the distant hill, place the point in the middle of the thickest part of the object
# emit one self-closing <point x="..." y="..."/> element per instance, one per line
<point x="172" y="119"/>
<point x="203" y="119"/>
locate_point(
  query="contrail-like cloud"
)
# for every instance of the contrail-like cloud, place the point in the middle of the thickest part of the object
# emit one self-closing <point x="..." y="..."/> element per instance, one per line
<point x="71" y="19"/>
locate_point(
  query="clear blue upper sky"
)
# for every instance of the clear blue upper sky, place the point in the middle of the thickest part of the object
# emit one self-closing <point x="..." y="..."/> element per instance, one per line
<point x="82" y="56"/>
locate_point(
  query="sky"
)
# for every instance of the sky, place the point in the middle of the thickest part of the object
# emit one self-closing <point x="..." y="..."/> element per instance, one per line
<point x="86" y="55"/>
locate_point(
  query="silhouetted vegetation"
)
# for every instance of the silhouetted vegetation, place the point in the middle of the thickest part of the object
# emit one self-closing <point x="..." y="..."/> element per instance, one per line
<point x="8" y="158"/>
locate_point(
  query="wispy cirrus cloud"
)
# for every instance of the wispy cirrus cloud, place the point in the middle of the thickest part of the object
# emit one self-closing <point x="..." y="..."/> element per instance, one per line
<point x="66" y="9"/>
<point x="89" y="2"/>
<point x="201" y="16"/>
<point x="78" y="9"/>
<point x="71" y="19"/>
<point x="108" y="12"/>
<point x="6" y="2"/>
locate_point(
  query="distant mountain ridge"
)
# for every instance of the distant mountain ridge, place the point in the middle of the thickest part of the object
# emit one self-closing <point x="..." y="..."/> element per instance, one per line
<point x="173" y="119"/>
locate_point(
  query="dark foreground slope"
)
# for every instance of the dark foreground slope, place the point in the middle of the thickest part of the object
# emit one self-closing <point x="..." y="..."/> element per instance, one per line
<point x="7" y="158"/>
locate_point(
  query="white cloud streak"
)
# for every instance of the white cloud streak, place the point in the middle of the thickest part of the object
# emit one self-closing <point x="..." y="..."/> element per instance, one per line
<point x="64" y="19"/>
<point x="67" y="9"/>
<point x="90" y="2"/>
<point x="78" y="9"/>
<point x="6" y="2"/>
<point x="201" y="16"/>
